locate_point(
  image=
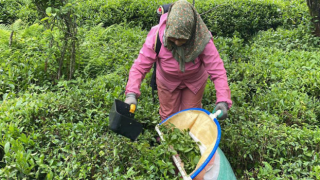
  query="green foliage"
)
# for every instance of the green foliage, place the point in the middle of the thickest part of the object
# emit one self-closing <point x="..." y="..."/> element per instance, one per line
<point x="11" y="10"/>
<point x="8" y="13"/>
<point x="62" y="15"/>
<point x="245" y="17"/>
<point x="66" y="132"/>
<point x="290" y="151"/>
<point x="105" y="50"/>
<point x="223" y="18"/>
<point x="23" y="62"/>
<point x="137" y="12"/>
<point x="183" y="145"/>
<point x="299" y="38"/>
<point x="276" y="106"/>
<point x="249" y="17"/>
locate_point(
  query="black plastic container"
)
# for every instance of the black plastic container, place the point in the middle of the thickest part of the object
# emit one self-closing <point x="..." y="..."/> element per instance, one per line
<point x="121" y="121"/>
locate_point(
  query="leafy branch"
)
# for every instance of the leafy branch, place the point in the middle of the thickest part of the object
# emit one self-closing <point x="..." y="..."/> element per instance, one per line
<point x="13" y="27"/>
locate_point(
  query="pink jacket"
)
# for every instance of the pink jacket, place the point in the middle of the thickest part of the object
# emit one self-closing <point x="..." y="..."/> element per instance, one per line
<point x="168" y="71"/>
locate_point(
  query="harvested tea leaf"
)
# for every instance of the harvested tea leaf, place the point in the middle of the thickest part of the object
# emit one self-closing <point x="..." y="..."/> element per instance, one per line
<point x="183" y="144"/>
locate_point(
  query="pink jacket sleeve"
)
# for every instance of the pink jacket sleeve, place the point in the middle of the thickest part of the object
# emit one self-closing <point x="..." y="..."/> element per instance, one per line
<point x="142" y="65"/>
<point x="215" y="68"/>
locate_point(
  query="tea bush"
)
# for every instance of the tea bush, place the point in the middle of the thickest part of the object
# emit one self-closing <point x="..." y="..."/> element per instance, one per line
<point x="272" y="87"/>
<point x="23" y="62"/>
<point x="137" y="13"/>
<point x="67" y="134"/>
<point x="249" y="17"/>
<point x="223" y="18"/>
<point x="269" y="90"/>
<point x="285" y="148"/>
<point x="11" y="10"/>
<point x="299" y="38"/>
<point x="105" y="50"/>
<point x="29" y="59"/>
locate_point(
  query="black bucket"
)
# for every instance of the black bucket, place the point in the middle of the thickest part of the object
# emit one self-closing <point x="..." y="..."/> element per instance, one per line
<point x="121" y="121"/>
<point x="2" y="164"/>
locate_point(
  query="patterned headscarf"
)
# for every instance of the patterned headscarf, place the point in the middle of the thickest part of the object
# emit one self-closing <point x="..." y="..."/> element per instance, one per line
<point x="184" y="22"/>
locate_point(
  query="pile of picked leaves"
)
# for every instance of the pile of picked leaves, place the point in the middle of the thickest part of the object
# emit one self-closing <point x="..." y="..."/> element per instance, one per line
<point x="183" y="144"/>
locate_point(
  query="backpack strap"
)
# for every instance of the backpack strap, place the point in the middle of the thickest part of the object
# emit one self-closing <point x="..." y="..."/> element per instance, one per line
<point x="158" y="44"/>
<point x="153" y="82"/>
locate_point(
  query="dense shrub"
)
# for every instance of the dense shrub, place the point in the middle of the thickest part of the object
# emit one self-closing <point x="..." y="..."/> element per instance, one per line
<point x="23" y="63"/>
<point x="137" y="12"/>
<point x="223" y="18"/>
<point x="8" y="15"/>
<point x="299" y="38"/>
<point x="273" y="124"/>
<point x="11" y="10"/>
<point x="104" y="50"/>
<point x="244" y="17"/>
<point x="269" y="150"/>
<point x="249" y="17"/>
<point x="67" y="134"/>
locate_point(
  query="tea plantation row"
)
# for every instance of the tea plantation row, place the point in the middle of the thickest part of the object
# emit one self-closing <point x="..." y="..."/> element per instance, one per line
<point x="223" y="18"/>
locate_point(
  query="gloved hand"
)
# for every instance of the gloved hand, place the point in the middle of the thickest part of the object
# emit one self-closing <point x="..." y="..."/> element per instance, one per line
<point x="131" y="99"/>
<point x="223" y="106"/>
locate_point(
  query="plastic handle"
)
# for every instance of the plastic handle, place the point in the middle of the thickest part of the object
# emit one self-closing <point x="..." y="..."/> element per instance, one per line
<point x="216" y="114"/>
<point x="132" y="108"/>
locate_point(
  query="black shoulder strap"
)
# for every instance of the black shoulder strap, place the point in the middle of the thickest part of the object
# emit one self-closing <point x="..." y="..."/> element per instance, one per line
<point x="153" y="82"/>
<point x="158" y="44"/>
